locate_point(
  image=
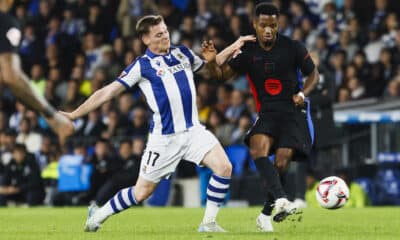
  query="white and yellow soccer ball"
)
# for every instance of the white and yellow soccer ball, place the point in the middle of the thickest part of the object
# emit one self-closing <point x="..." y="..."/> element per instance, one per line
<point x="332" y="192"/>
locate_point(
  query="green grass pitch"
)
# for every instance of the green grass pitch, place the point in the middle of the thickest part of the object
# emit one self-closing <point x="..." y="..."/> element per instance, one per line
<point x="180" y="223"/>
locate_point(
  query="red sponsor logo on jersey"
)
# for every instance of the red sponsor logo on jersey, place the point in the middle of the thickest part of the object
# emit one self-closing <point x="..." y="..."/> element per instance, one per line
<point x="273" y="86"/>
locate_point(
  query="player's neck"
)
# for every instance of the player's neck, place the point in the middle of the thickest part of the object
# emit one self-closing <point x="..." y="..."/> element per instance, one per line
<point x="159" y="52"/>
<point x="265" y="47"/>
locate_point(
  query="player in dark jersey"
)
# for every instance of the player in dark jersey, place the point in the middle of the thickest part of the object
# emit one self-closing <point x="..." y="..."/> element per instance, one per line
<point x="272" y="66"/>
<point x="13" y="77"/>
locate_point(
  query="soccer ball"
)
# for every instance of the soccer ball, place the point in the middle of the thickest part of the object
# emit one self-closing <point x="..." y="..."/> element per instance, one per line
<point x="332" y="193"/>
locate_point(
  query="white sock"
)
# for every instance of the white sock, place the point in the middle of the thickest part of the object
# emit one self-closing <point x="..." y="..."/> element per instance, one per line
<point x="120" y="202"/>
<point x="211" y="212"/>
<point x="216" y="191"/>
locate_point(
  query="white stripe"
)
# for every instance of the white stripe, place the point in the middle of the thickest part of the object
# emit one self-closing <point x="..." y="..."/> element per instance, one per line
<point x="145" y="86"/>
<point x="214" y="194"/>
<point x="117" y="204"/>
<point x="174" y="97"/>
<point x="217" y="184"/>
<point x="125" y="196"/>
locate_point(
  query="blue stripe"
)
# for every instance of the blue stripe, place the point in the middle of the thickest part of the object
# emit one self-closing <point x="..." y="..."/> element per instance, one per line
<point x="310" y="122"/>
<point x="299" y="78"/>
<point x="217" y="190"/>
<point x="221" y="179"/>
<point x="123" y="83"/>
<point x="186" y="94"/>
<point x="187" y="53"/>
<point x="214" y="199"/>
<point x="121" y="200"/>
<point x="115" y="209"/>
<point x="131" y="197"/>
<point x="160" y="95"/>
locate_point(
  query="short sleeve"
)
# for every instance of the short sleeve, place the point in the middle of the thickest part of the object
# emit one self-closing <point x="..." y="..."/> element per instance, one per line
<point x="195" y="61"/>
<point x="240" y="62"/>
<point x="303" y="59"/>
<point x="10" y="34"/>
<point x="130" y="75"/>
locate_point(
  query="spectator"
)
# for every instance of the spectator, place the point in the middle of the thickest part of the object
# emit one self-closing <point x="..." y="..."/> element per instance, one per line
<point x="26" y="136"/>
<point x="22" y="182"/>
<point x="124" y="177"/>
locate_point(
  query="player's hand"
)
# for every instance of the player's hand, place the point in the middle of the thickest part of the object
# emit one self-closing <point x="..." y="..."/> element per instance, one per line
<point x="208" y="51"/>
<point x="67" y="114"/>
<point x="298" y="99"/>
<point x="238" y="44"/>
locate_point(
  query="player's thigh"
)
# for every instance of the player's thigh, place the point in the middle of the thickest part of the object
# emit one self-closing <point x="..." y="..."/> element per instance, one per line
<point x="161" y="157"/>
<point x="260" y="145"/>
<point x="217" y="160"/>
<point x="199" y="141"/>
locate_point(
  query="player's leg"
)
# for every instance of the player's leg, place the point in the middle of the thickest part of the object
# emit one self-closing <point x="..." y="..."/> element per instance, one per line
<point x="218" y="185"/>
<point x="121" y="201"/>
<point x="260" y="145"/>
<point x="204" y="149"/>
<point x="14" y="78"/>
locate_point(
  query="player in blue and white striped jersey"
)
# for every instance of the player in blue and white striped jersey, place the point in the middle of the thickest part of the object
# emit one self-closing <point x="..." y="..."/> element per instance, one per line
<point x="165" y="76"/>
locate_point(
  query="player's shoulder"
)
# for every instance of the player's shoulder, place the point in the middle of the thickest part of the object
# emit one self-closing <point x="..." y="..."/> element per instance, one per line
<point x="289" y="41"/>
<point x="250" y="46"/>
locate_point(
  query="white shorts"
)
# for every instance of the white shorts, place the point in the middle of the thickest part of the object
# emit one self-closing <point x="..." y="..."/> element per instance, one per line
<point x="164" y="152"/>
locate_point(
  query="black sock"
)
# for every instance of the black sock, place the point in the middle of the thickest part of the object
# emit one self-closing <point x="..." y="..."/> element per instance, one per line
<point x="282" y="178"/>
<point x="269" y="177"/>
<point x="267" y="210"/>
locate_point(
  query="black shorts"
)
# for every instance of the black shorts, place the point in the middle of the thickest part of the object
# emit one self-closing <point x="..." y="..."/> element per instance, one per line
<point x="288" y="129"/>
<point x="10" y="34"/>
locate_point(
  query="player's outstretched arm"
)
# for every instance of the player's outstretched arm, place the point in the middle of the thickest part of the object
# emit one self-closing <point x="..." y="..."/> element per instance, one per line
<point x="233" y="49"/>
<point x="97" y="99"/>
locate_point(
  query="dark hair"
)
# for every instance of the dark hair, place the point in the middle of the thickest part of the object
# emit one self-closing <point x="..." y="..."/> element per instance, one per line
<point x="125" y="141"/>
<point x="144" y="24"/>
<point x="265" y="9"/>
<point x="20" y="147"/>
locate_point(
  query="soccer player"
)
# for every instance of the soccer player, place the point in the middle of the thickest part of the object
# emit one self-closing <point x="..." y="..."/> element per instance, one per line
<point x="13" y="77"/>
<point x="165" y="76"/>
<point x="272" y="66"/>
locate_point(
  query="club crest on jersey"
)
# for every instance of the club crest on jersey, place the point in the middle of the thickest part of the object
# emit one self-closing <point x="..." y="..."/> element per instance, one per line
<point x="273" y="86"/>
<point x="269" y="67"/>
<point x="160" y="72"/>
<point x="179" y="56"/>
<point x="158" y="63"/>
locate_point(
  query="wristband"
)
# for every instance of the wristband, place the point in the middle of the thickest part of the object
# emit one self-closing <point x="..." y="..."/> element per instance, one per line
<point x="301" y="94"/>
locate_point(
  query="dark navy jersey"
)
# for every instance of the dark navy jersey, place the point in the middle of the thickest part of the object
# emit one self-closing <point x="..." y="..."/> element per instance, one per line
<point x="10" y="33"/>
<point x="274" y="75"/>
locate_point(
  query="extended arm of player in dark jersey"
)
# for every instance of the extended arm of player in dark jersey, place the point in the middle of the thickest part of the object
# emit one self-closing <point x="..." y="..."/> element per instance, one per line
<point x="223" y="70"/>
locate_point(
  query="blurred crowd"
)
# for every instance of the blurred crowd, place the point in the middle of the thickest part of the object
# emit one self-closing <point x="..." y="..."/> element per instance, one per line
<point x="71" y="48"/>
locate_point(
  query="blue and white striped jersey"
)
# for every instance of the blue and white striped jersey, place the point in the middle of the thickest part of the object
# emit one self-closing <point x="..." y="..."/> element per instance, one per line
<point x="168" y="85"/>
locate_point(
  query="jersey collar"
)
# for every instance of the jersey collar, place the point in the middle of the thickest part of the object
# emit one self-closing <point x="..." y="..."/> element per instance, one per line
<point x="153" y="55"/>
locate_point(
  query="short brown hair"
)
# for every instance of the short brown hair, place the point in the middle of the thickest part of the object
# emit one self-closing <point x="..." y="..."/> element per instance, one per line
<point x="144" y="24"/>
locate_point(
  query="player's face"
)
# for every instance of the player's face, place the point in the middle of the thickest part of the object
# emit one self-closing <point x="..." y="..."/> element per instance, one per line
<point x="266" y="27"/>
<point x="158" y="38"/>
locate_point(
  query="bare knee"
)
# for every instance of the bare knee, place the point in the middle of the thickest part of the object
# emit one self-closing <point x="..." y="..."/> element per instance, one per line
<point x="282" y="159"/>
<point x="224" y="169"/>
